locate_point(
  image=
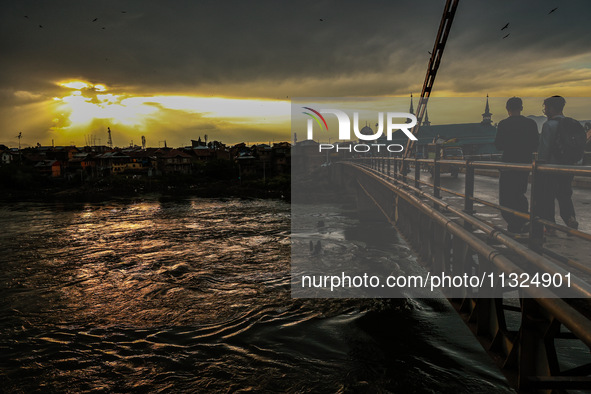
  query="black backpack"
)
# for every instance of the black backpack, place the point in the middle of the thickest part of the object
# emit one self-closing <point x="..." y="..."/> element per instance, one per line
<point x="569" y="145"/>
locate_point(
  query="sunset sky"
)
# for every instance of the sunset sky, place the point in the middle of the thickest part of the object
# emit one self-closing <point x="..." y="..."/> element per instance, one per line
<point x="178" y="70"/>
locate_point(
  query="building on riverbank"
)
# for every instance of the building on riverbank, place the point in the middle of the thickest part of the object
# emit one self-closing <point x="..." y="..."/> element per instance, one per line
<point x="200" y="159"/>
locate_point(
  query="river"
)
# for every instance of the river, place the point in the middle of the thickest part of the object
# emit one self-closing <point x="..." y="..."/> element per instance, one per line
<point x="193" y="295"/>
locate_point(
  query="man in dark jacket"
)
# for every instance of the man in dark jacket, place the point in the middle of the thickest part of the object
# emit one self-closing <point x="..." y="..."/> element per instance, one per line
<point x="517" y="137"/>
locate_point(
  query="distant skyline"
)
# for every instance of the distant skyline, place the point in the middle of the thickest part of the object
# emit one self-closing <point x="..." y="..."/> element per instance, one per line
<point x="178" y="70"/>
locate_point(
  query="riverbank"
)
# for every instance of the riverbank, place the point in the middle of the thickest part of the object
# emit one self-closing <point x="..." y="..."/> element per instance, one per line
<point x="60" y="190"/>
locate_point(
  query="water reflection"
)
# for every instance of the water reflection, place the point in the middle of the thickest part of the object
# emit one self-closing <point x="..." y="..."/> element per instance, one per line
<point x="195" y="296"/>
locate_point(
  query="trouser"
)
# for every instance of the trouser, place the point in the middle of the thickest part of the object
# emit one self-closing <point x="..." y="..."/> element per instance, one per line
<point x="557" y="187"/>
<point x="512" y="189"/>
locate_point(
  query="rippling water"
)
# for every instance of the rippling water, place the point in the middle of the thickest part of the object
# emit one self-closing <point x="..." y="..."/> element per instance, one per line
<point x="194" y="296"/>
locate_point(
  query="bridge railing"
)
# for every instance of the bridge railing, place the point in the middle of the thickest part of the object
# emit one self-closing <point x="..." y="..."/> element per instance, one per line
<point x="530" y="350"/>
<point x="399" y="169"/>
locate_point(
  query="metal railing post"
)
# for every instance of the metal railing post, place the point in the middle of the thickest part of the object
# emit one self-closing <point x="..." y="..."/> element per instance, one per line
<point x="417" y="173"/>
<point x="403" y="170"/>
<point x="536" y="230"/>
<point x="437" y="172"/>
<point x="469" y="188"/>
<point x="390" y="165"/>
<point x="395" y="169"/>
<point x="468" y="193"/>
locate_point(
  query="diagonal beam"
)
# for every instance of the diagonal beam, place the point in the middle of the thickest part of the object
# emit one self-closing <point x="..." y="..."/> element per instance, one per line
<point x="442" y="34"/>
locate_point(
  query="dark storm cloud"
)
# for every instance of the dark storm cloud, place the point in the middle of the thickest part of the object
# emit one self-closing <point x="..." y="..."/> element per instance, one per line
<point x="540" y="50"/>
<point x="214" y="47"/>
<point x="185" y="44"/>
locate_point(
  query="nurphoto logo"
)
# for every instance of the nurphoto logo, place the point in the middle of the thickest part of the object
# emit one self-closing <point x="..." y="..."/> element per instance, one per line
<point x="344" y="123"/>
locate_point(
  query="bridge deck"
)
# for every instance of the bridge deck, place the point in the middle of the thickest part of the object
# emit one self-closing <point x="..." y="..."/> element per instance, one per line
<point x="573" y="248"/>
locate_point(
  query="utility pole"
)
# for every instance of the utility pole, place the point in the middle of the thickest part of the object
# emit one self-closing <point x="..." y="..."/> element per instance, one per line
<point x="20" y="155"/>
<point x="110" y="140"/>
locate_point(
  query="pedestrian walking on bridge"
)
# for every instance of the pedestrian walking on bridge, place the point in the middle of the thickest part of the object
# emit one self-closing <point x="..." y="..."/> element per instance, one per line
<point x="552" y="151"/>
<point x="517" y="136"/>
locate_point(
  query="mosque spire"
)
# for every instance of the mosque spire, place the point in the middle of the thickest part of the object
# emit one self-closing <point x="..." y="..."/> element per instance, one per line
<point x="426" y="121"/>
<point x="486" y="116"/>
<point x="411" y="110"/>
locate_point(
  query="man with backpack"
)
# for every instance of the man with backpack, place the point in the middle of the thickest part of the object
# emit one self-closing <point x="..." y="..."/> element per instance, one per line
<point x="562" y="141"/>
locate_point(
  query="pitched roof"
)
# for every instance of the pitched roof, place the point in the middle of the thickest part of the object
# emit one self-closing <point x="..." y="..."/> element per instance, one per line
<point x="176" y="153"/>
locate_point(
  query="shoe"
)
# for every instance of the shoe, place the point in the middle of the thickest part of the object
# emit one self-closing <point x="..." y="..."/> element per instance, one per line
<point x="572" y="223"/>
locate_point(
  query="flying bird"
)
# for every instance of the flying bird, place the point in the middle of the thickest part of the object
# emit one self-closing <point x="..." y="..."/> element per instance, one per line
<point x="429" y="52"/>
<point x="552" y="10"/>
<point x="95" y="19"/>
<point x="124" y="12"/>
<point x="41" y="26"/>
<point x="321" y="20"/>
<point x="103" y="28"/>
<point x="504" y="27"/>
<point x="506" y="36"/>
<point x="26" y="16"/>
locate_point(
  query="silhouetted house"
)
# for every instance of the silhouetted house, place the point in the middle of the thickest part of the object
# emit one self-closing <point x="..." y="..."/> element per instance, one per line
<point x="247" y="165"/>
<point x="31" y="158"/>
<point x="222" y="153"/>
<point x="239" y="149"/>
<point x="281" y="160"/>
<point x="263" y="152"/>
<point x="83" y="162"/>
<point x="264" y="156"/>
<point x="142" y="162"/>
<point x="175" y="162"/>
<point x="113" y="162"/>
<point x="6" y="157"/>
<point x="61" y="153"/>
<point x="68" y="152"/>
<point x="52" y="168"/>
<point x="262" y="160"/>
<point x="203" y="153"/>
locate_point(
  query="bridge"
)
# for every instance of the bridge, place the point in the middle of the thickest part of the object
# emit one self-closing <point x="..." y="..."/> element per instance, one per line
<point x="536" y="310"/>
<point x="528" y="328"/>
